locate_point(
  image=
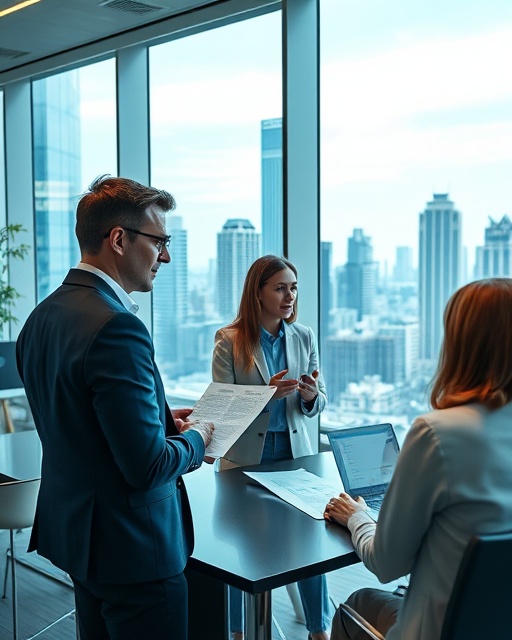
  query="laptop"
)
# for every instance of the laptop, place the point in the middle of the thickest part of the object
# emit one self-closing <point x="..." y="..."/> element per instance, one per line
<point x="247" y="450"/>
<point x="366" y="458"/>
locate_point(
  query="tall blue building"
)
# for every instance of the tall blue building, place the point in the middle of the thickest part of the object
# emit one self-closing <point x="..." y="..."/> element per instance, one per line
<point x="494" y="259"/>
<point x="238" y="246"/>
<point x="326" y="297"/>
<point x="403" y="270"/>
<point x="439" y="269"/>
<point x="170" y="300"/>
<point x="56" y="122"/>
<point x="361" y="274"/>
<point x="272" y="186"/>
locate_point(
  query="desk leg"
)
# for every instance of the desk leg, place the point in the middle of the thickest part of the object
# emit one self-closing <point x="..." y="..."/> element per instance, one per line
<point x="9" y="426"/>
<point x="258" y="612"/>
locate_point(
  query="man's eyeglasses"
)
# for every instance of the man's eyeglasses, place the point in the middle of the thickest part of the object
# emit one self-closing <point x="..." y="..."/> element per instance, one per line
<point x="161" y="242"/>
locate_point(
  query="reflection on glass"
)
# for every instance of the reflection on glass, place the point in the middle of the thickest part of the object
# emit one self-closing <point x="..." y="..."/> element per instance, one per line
<point x="214" y="98"/>
<point x="68" y="136"/>
<point x="416" y="139"/>
<point x="2" y="161"/>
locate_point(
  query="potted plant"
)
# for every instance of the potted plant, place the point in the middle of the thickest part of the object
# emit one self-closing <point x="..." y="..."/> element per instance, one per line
<point x="8" y="251"/>
<point x="8" y="295"/>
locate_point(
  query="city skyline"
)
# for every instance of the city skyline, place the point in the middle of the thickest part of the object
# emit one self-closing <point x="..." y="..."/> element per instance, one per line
<point x="467" y="269"/>
<point x="416" y="116"/>
<point x="410" y="107"/>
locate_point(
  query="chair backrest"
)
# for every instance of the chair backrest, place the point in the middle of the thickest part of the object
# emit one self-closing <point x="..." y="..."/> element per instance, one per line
<point x="482" y="594"/>
<point x="18" y="503"/>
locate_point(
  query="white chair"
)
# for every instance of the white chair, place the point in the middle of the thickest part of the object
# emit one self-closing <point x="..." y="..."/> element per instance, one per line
<point x="17" y="510"/>
<point x="293" y="593"/>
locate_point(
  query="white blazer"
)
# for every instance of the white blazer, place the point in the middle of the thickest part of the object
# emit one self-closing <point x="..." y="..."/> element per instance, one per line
<point x="301" y="357"/>
<point x="453" y="479"/>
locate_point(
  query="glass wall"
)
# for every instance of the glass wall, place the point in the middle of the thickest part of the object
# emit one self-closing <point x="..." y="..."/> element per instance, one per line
<point x="4" y="329"/>
<point x="416" y="138"/>
<point x="2" y="161"/>
<point x="75" y="139"/>
<point x="216" y="145"/>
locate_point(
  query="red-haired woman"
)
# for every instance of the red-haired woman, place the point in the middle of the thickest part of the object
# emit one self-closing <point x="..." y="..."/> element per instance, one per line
<point x="262" y="346"/>
<point x="453" y="477"/>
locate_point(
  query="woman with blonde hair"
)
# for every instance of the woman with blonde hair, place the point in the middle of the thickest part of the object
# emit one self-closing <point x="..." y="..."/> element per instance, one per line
<point x="265" y="346"/>
<point x="452" y="479"/>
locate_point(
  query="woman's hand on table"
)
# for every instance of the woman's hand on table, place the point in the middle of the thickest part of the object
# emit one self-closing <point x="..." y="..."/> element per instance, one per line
<point x="340" y="508"/>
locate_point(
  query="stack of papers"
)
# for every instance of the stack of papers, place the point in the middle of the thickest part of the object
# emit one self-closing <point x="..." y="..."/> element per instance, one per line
<point x="300" y="488"/>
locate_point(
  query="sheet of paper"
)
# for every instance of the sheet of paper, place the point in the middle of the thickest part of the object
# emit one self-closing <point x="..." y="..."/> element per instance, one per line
<point x="300" y="488"/>
<point x="231" y="408"/>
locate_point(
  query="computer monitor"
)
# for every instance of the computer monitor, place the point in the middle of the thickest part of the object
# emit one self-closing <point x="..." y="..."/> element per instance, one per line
<point x="9" y="376"/>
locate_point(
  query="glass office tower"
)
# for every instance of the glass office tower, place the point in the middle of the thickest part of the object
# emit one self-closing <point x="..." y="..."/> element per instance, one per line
<point x="362" y="274"/>
<point x="494" y="259"/>
<point x="56" y="118"/>
<point x="272" y="186"/>
<point x="170" y="300"/>
<point x="440" y="266"/>
<point x="238" y="246"/>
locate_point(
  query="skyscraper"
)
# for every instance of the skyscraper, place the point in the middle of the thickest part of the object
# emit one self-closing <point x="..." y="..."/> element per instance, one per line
<point x="238" y="246"/>
<point x="170" y="300"/>
<point x="326" y="302"/>
<point x="494" y="259"/>
<point x="403" y="271"/>
<point x="439" y="269"/>
<point x="361" y="274"/>
<point x="57" y="168"/>
<point x="406" y="335"/>
<point x="272" y="186"/>
<point x="361" y="354"/>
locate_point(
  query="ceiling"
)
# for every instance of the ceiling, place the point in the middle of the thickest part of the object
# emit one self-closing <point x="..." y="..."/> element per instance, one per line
<point x="54" y="26"/>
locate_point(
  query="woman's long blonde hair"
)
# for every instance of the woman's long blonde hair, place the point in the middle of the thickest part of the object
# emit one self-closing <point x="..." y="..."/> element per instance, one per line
<point x="475" y="363"/>
<point x="248" y="320"/>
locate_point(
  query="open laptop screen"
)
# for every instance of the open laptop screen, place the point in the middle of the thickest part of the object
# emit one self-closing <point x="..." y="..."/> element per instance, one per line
<point x="366" y="456"/>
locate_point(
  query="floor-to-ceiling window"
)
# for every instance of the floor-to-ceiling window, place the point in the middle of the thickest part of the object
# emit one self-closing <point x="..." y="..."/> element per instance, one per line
<point x="216" y="145"/>
<point x="416" y="137"/>
<point x="2" y="161"/>
<point x="74" y="134"/>
<point x="4" y="329"/>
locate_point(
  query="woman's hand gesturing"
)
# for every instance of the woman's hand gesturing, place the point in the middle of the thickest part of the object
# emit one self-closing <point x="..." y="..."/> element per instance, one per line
<point x="307" y="386"/>
<point x="284" y="387"/>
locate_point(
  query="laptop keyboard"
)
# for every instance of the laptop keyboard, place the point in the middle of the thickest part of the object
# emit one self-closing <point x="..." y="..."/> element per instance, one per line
<point x="374" y="503"/>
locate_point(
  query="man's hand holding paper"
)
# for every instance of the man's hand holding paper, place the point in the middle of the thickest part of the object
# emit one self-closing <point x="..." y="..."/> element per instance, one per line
<point x="232" y="408"/>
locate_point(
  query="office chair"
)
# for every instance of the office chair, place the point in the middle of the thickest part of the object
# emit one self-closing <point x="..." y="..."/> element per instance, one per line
<point x="17" y="510"/>
<point x="480" y="599"/>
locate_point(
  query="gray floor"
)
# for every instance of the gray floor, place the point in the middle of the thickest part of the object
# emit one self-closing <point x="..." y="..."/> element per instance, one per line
<point x="42" y="599"/>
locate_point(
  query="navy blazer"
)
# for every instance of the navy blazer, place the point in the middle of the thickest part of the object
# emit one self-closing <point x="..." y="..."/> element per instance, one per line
<point x="112" y="506"/>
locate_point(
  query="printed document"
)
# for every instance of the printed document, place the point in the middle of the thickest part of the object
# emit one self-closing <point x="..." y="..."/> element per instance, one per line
<point x="300" y="488"/>
<point x="231" y="408"/>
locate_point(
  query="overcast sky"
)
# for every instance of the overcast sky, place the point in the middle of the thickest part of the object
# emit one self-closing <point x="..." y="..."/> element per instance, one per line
<point x="416" y="99"/>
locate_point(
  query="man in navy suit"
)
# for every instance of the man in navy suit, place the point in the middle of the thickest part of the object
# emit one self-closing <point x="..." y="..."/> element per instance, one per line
<point x="112" y="510"/>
